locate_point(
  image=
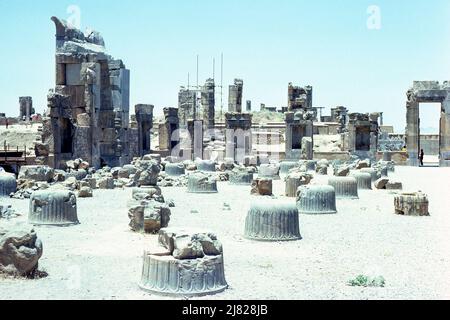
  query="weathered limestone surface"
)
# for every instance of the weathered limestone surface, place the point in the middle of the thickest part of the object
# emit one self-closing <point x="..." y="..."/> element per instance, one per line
<point x="269" y="171"/>
<point x="272" y="220"/>
<point x="8" y="184"/>
<point x="190" y="264"/>
<point x="20" y="250"/>
<point x="316" y="200"/>
<point x="241" y="176"/>
<point x="53" y="207"/>
<point x="345" y="187"/>
<point x="364" y="180"/>
<point x="200" y="182"/>
<point x="149" y="216"/>
<point x="174" y="169"/>
<point x="262" y="187"/>
<point x="412" y="204"/>
<point x="286" y="166"/>
<point x="205" y="165"/>
<point x="294" y="180"/>
<point x="36" y="173"/>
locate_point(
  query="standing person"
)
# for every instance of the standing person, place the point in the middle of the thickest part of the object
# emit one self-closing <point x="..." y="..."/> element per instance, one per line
<point x="421" y="157"/>
<point x="7" y="123"/>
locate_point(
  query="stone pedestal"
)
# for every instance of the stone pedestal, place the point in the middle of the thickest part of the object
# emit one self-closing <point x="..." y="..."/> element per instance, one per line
<point x="272" y="220"/>
<point x="53" y="207"/>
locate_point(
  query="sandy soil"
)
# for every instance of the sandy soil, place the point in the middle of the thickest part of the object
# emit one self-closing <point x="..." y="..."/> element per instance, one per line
<point x="101" y="258"/>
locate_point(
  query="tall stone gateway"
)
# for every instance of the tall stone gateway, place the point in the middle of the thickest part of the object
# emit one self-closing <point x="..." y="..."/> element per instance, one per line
<point x="235" y="96"/>
<point x="361" y="138"/>
<point x="208" y="104"/>
<point x="144" y="119"/>
<point x="299" y="125"/>
<point x="26" y="108"/>
<point x="238" y="136"/>
<point x="88" y="111"/>
<point x="428" y="92"/>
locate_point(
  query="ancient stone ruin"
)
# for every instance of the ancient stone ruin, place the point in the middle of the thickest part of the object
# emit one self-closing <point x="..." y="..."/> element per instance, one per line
<point x="187" y="263"/>
<point x="53" y="207"/>
<point x="20" y="251"/>
<point x="272" y="220"/>
<point x="426" y="92"/>
<point x="412" y="204"/>
<point x="88" y="111"/>
<point x="316" y="199"/>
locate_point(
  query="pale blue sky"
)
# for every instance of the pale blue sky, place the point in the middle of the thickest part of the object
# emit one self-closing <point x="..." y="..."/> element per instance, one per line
<point x="324" y="43"/>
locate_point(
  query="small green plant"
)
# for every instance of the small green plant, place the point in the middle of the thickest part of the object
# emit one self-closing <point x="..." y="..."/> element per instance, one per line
<point x="365" y="281"/>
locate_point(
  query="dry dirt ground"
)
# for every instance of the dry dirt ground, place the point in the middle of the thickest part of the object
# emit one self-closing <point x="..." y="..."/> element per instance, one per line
<point x="101" y="258"/>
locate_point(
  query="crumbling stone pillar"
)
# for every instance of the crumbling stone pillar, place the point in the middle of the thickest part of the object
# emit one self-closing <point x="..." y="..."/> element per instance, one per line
<point x="144" y="118"/>
<point x="26" y="108"/>
<point x="208" y="104"/>
<point x="345" y="187"/>
<point x="168" y="137"/>
<point x="235" y="96"/>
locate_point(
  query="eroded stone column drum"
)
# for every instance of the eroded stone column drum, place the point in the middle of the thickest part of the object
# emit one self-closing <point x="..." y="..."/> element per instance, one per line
<point x="8" y="184"/>
<point x="286" y="166"/>
<point x="206" y="166"/>
<point x="374" y="173"/>
<point x="363" y="179"/>
<point x="268" y="171"/>
<point x="311" y="165"/>
<point x="201" y="183"/>
<point x="166" y="275"/>
<point x="272" y="220"/>
<point x="412" y="204"/>
<point x="53" y="207"/>
<point x="241" y="178"/>
<point x="316" y="200"/>
<point x="294" y="181"/>
<point x="174" y="169"/>
<point x="345" y="187"/>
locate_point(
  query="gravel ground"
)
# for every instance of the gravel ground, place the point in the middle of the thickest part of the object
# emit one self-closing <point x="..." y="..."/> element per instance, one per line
<point x="101" y="258"/>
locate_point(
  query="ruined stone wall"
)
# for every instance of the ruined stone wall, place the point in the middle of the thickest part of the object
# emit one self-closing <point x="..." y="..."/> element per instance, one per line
<point x="88" y="111"/>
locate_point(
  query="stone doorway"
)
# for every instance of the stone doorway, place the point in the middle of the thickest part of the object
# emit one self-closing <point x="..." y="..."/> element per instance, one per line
<point x="428" y="92"/>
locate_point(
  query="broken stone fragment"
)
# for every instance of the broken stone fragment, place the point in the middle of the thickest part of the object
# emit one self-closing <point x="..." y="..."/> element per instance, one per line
<point x="20" y="250"/>
<point x="149" y="216"/>
<point x="53" y="207"/>
<point x="394" y="185"/>
<point x="36" y="173"/>
<point x="262" y="187"/>
<point x="342" y="171"/>
<point x="381" y="184"/>
<point x="147" y="174"/>
<point x="190" y="244"/>
<point x="412" y="204"/>
<point x="105" y="183"/>
<point x="201" y="182"/>
<point x="85" y="192"/>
